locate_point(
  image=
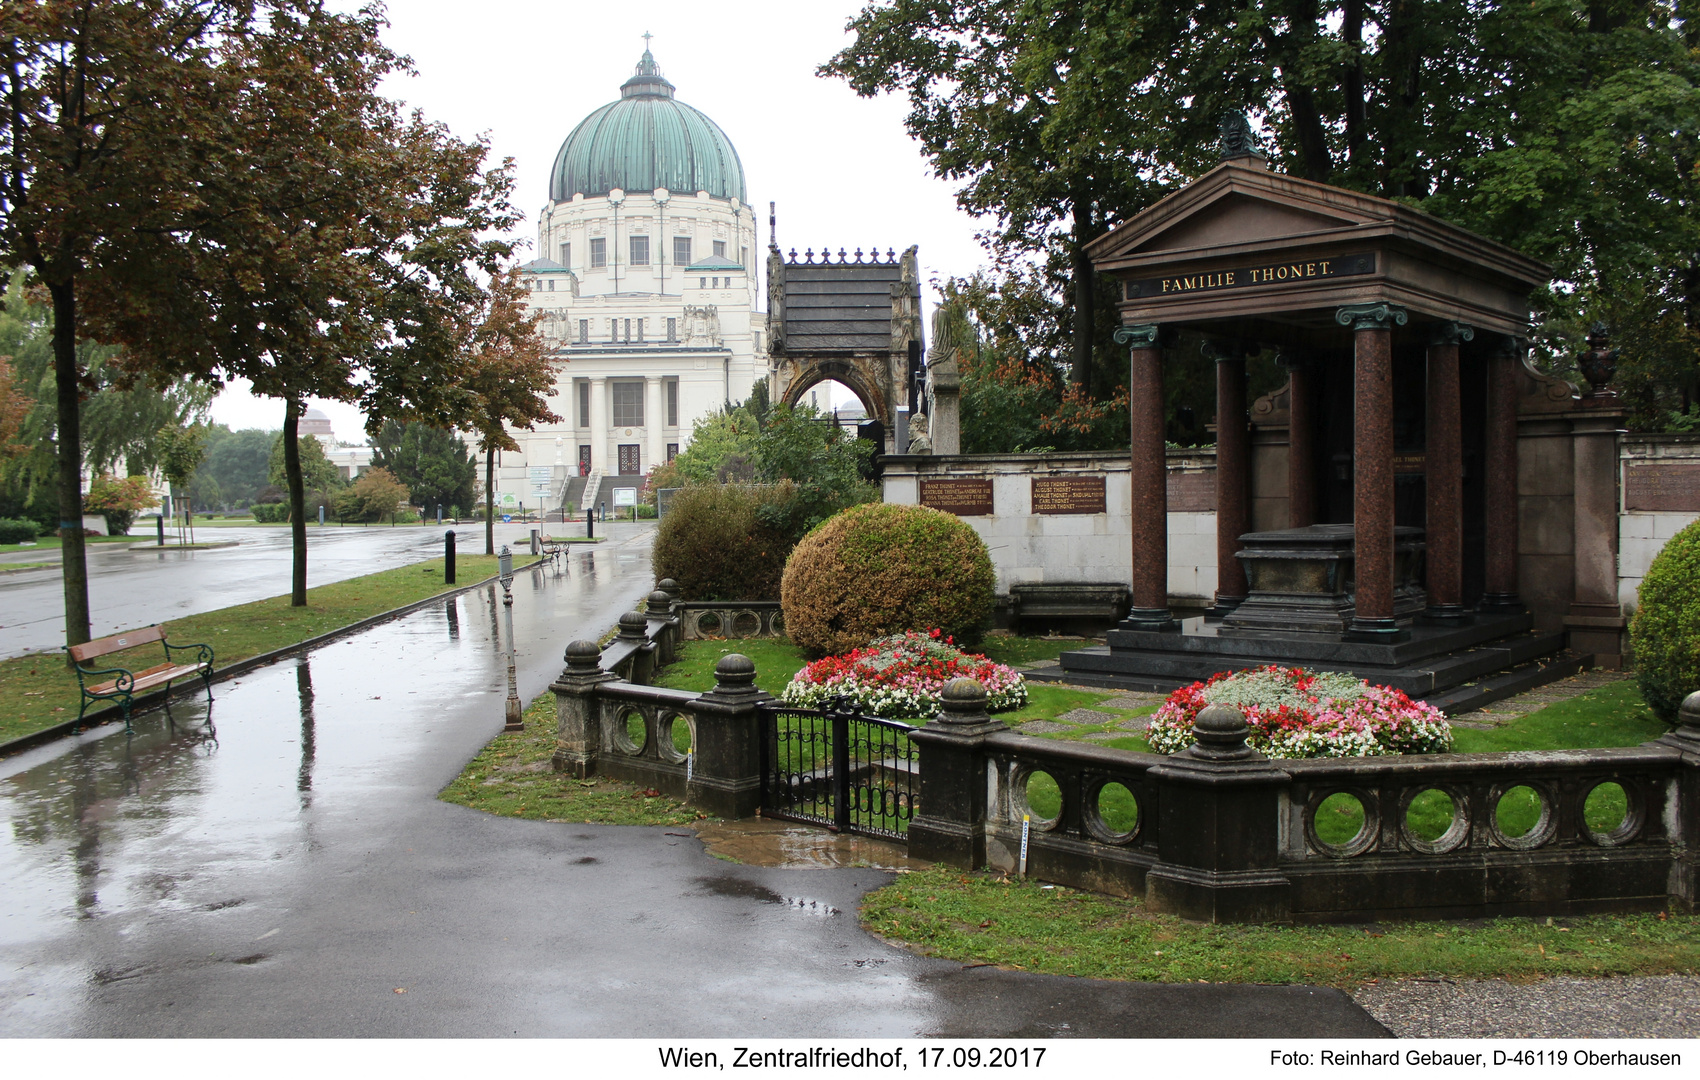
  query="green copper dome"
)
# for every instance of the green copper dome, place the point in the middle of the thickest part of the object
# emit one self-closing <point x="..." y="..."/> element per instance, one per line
<point x="647" y="140"/>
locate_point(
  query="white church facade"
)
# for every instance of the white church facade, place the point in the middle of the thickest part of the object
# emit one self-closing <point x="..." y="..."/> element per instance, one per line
<point x="646" y="280"/>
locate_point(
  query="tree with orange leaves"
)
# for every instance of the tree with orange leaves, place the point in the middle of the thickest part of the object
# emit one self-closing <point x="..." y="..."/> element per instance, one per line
<point x="508" y="380"/>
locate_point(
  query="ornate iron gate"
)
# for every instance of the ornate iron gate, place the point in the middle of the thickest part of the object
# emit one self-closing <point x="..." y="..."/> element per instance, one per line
<point x="837" y="768"/>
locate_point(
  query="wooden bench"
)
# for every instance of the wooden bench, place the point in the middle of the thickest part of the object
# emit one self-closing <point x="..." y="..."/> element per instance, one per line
<point x="128" y="684"/>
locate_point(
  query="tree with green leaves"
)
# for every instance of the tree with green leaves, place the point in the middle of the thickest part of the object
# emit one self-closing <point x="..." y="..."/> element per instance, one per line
<point x="182" y="449"/>
<point x="435" y="465"/>
<point x="337" y="248"/>
<point x="318" y="473"/>
<point x="237" y="463"/>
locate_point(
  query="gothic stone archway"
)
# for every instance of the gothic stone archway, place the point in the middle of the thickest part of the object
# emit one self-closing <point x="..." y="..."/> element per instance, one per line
<point x="855" y="320"/>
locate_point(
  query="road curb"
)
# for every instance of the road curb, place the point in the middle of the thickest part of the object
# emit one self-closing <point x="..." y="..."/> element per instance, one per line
<point x="145" y="703"/>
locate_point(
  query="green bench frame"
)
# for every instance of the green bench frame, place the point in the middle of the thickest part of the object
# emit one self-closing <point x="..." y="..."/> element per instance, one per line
<point x="128" y="684"/>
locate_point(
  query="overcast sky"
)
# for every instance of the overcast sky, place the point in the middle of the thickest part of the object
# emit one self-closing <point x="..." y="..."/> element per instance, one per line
<point x="524" y="72"/>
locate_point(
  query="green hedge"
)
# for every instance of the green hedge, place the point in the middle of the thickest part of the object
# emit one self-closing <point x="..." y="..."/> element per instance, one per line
<point x="18" y="530"/>
<point x="271" y="512"/>
<point x="715" y="544"/>
<point x="880" y="569"/>
<point x="1665" y="632"/>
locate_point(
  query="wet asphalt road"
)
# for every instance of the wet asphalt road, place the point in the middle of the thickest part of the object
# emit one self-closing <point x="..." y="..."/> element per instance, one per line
<point x="287" y="871"/>
<point x="134" y="585"/>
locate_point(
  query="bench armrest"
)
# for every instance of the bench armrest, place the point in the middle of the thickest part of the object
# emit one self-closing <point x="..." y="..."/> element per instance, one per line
<point x="203" y="657"/>
<point x="120" y="685"/>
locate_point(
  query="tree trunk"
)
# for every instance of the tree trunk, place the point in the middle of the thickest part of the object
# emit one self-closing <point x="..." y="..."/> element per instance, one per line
<point x="292" y="411"/>
<point x="1081" y="372"/>
<point x="489" y="500"/>
<point x="73" y="552"/>
<point x="1352" y="30"/>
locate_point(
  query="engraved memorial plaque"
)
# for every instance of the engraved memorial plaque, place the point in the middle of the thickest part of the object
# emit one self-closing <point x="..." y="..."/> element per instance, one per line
<point x="1665" y="485"/>
<point x="1068" y="495"/>
<point x="964" y="496"/>
<point x="1192" y="492"/>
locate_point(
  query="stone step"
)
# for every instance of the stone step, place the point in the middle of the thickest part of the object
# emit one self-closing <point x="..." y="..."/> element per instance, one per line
<point x="1510" y="683"/>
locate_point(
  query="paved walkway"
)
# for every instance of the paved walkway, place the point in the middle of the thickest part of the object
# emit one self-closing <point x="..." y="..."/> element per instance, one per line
<point x="133" y="585"/>
<point x="290" y="872"/>
<point x="1503" y="712"/>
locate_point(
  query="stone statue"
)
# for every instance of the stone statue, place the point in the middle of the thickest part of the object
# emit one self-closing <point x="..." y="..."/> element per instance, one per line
<point x="919" y="440"/>
<point x="1599" y="363"/>
<point x="1234" y="137"/>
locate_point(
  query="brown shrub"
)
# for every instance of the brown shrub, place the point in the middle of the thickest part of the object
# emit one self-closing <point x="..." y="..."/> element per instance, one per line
<point x="881" y="569"/>
<point x="714" y="543"/>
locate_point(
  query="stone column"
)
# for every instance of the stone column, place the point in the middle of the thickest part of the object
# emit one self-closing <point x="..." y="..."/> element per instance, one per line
<point x="1301" y="440"/>
<point x="1372" y="467"/>
<point x="1595" y="621"/>
<point x="654" y="422"/>
<point x="599" y="460"/>
<point x="951" y="825"/>
<point x="1500" y="475"/>
<point x="662" y="626"/>
<point x="1149" y="482"/>
<point x="578" y="712"/>
<point x="1443" y="476"/>
<point x="726" y="779"/>
<point x="1219" y="832"/>
<point x="1233" y="463"/>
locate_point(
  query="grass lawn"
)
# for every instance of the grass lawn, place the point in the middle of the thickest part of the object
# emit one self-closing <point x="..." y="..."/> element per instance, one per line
<point x="512" y="777"/>
<point x="38" y="691"/>
<point x="983" y="918"/>
<point x="50" y="544"/>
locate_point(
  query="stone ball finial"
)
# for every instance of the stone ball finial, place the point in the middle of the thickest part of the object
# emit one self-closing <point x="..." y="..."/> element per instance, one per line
<point x="659" y="603"/>
<point x="734" y="674"/>
<point x="668" y="586"/>
<point x="583" y="656"/>
<point x="1221" y="732"/>
<point x="1688" y="715"/>
<point x="633" y="624"/>
<point x="963" y="701"/>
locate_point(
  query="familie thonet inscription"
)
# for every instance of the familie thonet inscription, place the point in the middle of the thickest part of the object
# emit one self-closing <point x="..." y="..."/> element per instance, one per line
<point x="964" y="496"/>
<point x="1252" y="275"/>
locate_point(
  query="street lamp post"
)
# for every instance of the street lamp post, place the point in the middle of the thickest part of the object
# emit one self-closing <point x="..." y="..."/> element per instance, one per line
<point x="505" y="565"/>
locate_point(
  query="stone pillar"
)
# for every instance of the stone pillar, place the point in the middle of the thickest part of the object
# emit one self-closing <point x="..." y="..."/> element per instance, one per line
<point x="662" y="626"/>
<point x="1443" y="477"/>
<point x="946" y="409"/>
<point x="1149" y="481"/>
<point x="1301" y="440"/>
<point x="1372" y="467"/>
<point x="599" y="459"/>
<point x="1219" y="832"/>
<point x="1233" y="464"/>
<point x="633" y="635"/>
<point x="578" y="711"/>
<point x="951" y="825"/>
<point x="1684" y="823"/>
<point x="654" y="422"/>
<point x="726" y="777"/>
<point x="1595" y="621"/>
<point x="1500" y="476"/>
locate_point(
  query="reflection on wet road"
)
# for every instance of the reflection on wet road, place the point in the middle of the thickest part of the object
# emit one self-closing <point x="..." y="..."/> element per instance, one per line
<point x="278" y="864"/>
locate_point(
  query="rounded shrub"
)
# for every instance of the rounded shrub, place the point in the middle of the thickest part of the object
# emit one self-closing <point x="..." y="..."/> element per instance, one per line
<point x="18" y="530"/>
<point x="879" y="569"/>
<point x="716" y="544"/>
<point x="1665" y="632"/>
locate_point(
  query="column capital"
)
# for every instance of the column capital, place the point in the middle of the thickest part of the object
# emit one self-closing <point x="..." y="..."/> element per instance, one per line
<point x="1372" y="316"/>
<point x="1451" y="333"/>
<point x="1509" y="347"/>
<point x="1140" y="336"/>
<point x="1224" y="351"/>
<point x="1287" y="358"/>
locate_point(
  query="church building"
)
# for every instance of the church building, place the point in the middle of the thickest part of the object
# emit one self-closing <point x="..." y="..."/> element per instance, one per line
<point x="645" y="279"/>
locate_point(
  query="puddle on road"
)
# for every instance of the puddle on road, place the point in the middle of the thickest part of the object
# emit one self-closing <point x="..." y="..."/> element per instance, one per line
<point x="764" y="842"/>
<point x="727" y="885"/>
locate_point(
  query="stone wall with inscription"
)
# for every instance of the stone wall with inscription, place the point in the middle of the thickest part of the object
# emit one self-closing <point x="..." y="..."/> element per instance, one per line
<point x="1661" y="494"/>
<point x="1064" y="518"/>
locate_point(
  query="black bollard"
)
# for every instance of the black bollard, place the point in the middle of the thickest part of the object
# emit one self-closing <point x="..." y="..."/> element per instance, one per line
<point x="160" y="522"/>
<point x="590" y="524"/>
<point x="449" y="557"/>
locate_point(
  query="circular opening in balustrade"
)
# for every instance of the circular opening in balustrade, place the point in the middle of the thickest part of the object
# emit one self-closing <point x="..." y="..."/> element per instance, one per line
<point x="1112" y="814"/>
<point x="1042" y="798"/>
<point x="630" y="734"/>
<point x="776" y="623"/>
<point x="1522" y="816"/>
<point x="1338" y="824"/>
<point x="745" y="624"/>
<point x="676" y="736"/>
<point x="1435" y="821"/>
<point x="1609" y="815"/>
<point x="708" y="624"/>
